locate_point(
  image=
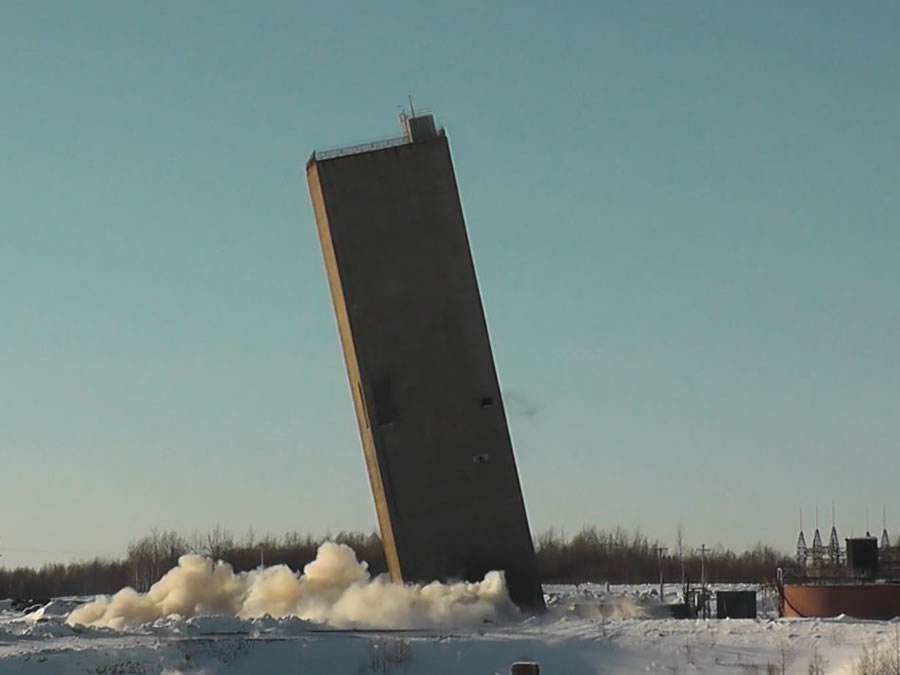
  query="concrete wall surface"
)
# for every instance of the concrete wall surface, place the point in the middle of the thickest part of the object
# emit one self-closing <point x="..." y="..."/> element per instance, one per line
<point x="421" y="369"/>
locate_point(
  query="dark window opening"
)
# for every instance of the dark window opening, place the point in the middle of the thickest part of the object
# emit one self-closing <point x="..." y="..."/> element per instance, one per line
<point x="486" y="401"/>
<point x="383" y="393"/>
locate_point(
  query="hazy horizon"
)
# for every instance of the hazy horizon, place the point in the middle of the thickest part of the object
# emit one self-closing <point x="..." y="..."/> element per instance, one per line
<point x="240" y="539"/>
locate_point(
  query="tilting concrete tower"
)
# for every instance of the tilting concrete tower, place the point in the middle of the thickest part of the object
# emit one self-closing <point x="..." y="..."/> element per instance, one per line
<point x="419" y="359"/>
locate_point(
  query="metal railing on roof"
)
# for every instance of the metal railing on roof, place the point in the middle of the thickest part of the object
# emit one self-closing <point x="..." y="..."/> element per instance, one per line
<point x="320" y="155"/>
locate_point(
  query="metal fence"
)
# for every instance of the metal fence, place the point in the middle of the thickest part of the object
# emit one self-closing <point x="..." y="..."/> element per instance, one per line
<point x="320" y="155"/>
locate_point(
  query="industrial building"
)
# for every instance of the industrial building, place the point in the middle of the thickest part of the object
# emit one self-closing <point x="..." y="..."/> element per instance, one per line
<point x="418" y="356"/>
<point x="861" y="580"/>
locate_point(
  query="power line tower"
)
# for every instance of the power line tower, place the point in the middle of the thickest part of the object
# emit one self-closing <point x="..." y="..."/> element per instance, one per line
<point x="834" y="543"/>
<point x="802" y="549"/>
<point x="818" y="549"/>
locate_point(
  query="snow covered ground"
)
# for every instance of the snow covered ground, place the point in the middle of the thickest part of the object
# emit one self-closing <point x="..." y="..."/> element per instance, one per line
<point x="563" y="641"/>
<point x="203" y="618"/>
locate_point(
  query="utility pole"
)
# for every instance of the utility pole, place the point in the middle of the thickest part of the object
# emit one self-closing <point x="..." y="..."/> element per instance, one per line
<point x="660" y="550"/>
<point x="703" y="551"/>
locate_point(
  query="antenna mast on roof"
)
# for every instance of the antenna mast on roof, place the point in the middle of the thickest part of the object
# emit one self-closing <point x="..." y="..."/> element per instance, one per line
<point x="404" y="123"/>
<point x="412" y="111"/>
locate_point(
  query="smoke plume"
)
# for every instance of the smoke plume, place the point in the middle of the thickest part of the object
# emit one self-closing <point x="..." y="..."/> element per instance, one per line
<point x="335" y="589"/>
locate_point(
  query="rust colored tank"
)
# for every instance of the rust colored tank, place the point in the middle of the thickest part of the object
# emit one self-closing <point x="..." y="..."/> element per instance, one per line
<point x="861" y="601"/>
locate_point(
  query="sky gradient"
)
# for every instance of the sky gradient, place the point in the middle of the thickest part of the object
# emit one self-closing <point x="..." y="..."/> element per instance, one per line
<point x="685" y="219"/>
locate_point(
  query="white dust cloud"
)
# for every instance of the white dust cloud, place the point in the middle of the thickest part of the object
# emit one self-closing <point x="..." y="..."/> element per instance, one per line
<point x="610" y="609"/>
<point x="335" y="589"/>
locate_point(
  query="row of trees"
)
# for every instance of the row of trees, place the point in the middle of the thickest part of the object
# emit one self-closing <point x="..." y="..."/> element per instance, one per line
<point x="150" y="557"/>
<point x="623" y="557"/>
<point x="616" y="556"/>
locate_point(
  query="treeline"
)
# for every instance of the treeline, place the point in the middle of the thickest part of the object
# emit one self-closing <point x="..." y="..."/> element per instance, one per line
<point x="616" y="556"/>
<point x="150" y="557"/>
<point x="622" y="557"/>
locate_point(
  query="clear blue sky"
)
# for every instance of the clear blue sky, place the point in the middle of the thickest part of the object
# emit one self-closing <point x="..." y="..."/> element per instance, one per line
<point x="685" y="218"/>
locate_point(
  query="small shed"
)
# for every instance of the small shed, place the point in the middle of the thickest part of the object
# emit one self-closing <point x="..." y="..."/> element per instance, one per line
<point x="736" y="604"/>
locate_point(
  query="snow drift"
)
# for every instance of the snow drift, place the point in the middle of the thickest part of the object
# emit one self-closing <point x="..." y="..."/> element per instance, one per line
<point x="335" y="589"/>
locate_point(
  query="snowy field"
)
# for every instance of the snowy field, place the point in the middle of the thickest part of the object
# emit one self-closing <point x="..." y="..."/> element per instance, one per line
<point x="466" y="629"/>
